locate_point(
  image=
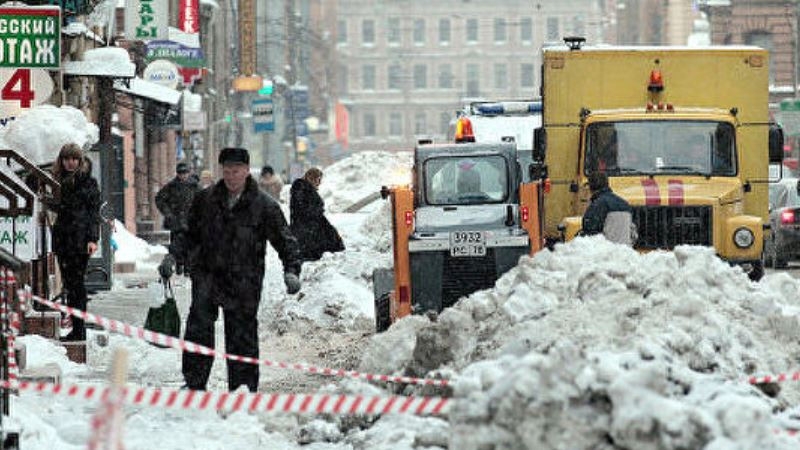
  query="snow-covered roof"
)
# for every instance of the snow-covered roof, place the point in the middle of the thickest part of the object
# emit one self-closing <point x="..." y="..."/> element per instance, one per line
<point x="79" y="28"/>
<point x="152" y="91"/>
<point x="184" y="38"/>
<point x="103" y="62"/>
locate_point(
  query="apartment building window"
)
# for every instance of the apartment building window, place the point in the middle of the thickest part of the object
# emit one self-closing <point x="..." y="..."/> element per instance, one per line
<point x="344" y="85"/>
<point x="420" y="76"/>
<point x="473" y="80"/>
<point x="419" y="31"/>
<point x="552" y="28"/>
<point x="341" y="31"/>
<point x="395" y="77"/>
<point x="444" y="31"/>
<point x="368" y="77"/>
<point x="578" y="28"/>
<point x="472" y="31"/>
<point x="420" y="123"/>
<point x="369" y="124"/>
<point x="526" y="30"/>
<point x="500" y="76"/>
<point x="393" y="31"/>
<point x="444" y="123"/>
<point x="500" y="30"/>
<point x="395" y="124"/>
<point x="526" y="75"/>
<point x="445" y="76"/>
<point x="368" y="32"/>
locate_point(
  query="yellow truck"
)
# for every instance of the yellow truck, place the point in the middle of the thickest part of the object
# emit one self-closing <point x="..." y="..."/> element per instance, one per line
<point x="683" y="134"/>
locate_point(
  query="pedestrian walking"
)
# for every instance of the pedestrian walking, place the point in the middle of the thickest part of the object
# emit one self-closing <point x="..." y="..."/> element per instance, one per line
<point x="229" y="226"/>
<point x="608" y="213"/>
<point x="270" y="183"/>
<point x="314" y="232"/>
<point x="76" y="229"/>
<point x="173" y="201"/>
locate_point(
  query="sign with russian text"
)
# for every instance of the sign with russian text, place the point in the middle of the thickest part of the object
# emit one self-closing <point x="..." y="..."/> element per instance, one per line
<point x="180" y="54"/>
<point x="146" y="20"/>
<point x="22" y="89"/>
<point x="30" y="37"/>
<point x="263" y="115"/>
<point x="187" y="17"/>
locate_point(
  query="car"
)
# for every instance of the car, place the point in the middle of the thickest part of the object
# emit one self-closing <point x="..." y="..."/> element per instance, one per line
<point x="783" y="243"/>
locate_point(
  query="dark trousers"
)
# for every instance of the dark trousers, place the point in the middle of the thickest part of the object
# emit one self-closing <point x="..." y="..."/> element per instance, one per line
<point x="177" y="248"/>
<point x="73" y="271"/>
<point x="241" y="338"/>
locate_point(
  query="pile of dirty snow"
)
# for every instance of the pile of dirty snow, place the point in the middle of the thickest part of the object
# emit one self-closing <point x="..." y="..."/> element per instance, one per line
<point x="594" y="345"/>
<point x="361" y="175"/>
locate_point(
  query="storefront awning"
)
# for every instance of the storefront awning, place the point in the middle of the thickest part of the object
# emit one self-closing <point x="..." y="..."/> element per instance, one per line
<point x="151" y="91"/>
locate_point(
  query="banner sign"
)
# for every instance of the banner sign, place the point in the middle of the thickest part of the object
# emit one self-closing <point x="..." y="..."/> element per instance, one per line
<point x="187" y="16"/>
<point x="146" y="19"/>
<point x="30" y="37"/>
<point x="176" y="52"/>
<point x="263" y="118"/>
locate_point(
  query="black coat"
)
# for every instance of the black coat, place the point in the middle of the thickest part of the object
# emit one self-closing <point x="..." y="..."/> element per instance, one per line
<point x="228" y="245"/>
<point x="78" y="213"/>
<point x="604" y="201"/>
<point x="174" y="201"/>
<point x="308" y="223"/>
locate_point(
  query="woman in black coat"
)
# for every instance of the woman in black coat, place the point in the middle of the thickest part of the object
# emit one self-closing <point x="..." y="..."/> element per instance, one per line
<point x="307" y="216"/>
<point x="77" y="227"/>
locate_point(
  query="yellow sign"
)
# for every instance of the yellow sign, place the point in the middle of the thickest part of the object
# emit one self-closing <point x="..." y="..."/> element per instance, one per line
<point x="247" y="38"/>
<point x="252" y="83"/>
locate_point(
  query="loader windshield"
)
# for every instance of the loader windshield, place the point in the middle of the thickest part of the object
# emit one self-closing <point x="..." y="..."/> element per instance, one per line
<point x="661" y="147"/>
<point x="466" y="180"/>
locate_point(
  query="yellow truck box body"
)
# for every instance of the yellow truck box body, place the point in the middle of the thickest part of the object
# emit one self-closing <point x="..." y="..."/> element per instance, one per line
<point x="726" y="85"/>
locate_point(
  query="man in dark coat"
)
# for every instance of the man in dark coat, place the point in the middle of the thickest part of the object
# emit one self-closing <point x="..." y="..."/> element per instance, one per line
<point x="229" y="226"/>
<point x="608" y="213"/>
<point x="76" y="229"/>
<point x="314" y="232"/>
<point x="173" y="201"/>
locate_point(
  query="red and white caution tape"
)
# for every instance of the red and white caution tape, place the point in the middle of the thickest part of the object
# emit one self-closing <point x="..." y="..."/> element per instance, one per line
<point x="13" y="329"/>
<point x="252" y="402"/>
<point x="191" y="347"/>
<point x="779" y="378"/>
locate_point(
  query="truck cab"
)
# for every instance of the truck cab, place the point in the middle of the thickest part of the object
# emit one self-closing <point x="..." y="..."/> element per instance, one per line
<point x="464" y="221"/>
<point x="683" y="135"/>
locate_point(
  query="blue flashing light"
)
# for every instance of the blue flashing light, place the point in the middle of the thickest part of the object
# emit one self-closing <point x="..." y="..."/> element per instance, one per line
<point x="500" y="108"/>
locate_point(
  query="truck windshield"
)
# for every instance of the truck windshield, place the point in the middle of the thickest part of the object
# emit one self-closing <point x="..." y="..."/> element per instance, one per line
<point x="466" y="180"/>
<point x="659" y="147"/>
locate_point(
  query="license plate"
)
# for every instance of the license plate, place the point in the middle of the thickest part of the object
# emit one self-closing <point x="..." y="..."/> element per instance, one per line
<point x="467" y="243"/>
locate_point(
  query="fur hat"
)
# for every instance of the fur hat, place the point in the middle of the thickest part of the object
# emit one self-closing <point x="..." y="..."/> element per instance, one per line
<point x="230" y="155"/>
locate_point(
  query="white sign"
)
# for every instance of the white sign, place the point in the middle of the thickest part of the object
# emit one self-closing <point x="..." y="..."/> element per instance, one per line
<point x="22" y="89"/>
<point x="146" y="20"/>
<point x="19" y="238"/>
<point x="162" y="72"/>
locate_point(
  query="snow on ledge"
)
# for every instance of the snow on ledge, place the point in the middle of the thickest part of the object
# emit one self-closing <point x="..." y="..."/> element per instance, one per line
<point x="153" y="91"/>
<point x="103" y="62"/>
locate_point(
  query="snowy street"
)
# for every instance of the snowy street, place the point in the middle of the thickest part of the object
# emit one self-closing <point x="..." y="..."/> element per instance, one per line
<point x="590" y="346"/>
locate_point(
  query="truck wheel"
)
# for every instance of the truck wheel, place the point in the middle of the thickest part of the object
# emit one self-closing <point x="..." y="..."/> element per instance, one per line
<point x="756" y="271"/>
<point x="382" y="318"/>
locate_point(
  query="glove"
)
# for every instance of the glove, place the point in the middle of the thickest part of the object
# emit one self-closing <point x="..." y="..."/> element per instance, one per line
<point x="292" y="282"/>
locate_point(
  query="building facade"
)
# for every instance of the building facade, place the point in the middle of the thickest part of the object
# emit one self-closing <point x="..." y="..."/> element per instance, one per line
<point x="404" y="67"/>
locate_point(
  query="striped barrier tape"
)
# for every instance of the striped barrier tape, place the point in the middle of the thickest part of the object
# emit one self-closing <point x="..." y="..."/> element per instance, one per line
<point x="246" y="401"/>
<point x="13" y="330"/>
<point x="779" y="378"/>
<point x="191" y="347"/>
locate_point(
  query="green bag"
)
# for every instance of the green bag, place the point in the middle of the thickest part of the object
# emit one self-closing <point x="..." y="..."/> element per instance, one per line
<point x="165" y="319"/>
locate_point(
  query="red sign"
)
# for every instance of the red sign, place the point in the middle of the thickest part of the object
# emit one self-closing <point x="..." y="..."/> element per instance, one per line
<point x="342" y="124"/>
<point x="187" y="17"/>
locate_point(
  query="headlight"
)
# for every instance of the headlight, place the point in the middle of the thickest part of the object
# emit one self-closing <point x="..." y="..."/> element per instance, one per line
<point x="743" y="238"/>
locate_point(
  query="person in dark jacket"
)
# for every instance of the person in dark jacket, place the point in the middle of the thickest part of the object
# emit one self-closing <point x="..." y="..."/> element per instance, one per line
<point x="76" y="229"/>
<point x="229" y="226"/>
<point x="173" y="201"/>
<point x="608" y="213"/>
<point x="314" y="232"/>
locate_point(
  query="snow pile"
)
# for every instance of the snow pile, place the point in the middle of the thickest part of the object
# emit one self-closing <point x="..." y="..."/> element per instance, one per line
<point x="40" y="133"/>
<point x="597" y="346"/>
<point x="136" y="250"/>
<point x="356" y="177"/>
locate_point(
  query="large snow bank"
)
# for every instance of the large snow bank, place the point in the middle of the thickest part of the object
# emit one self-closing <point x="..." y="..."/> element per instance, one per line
<point x="597" y="346"/>
<point x="40" y="133"/>
<point x="356" y="177"/>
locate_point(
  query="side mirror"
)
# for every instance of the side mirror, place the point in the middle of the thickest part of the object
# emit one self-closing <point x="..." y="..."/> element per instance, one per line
<point x="775" y="143"/>
<point x="537" y="171"/>
<point x="539" y="144"/>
